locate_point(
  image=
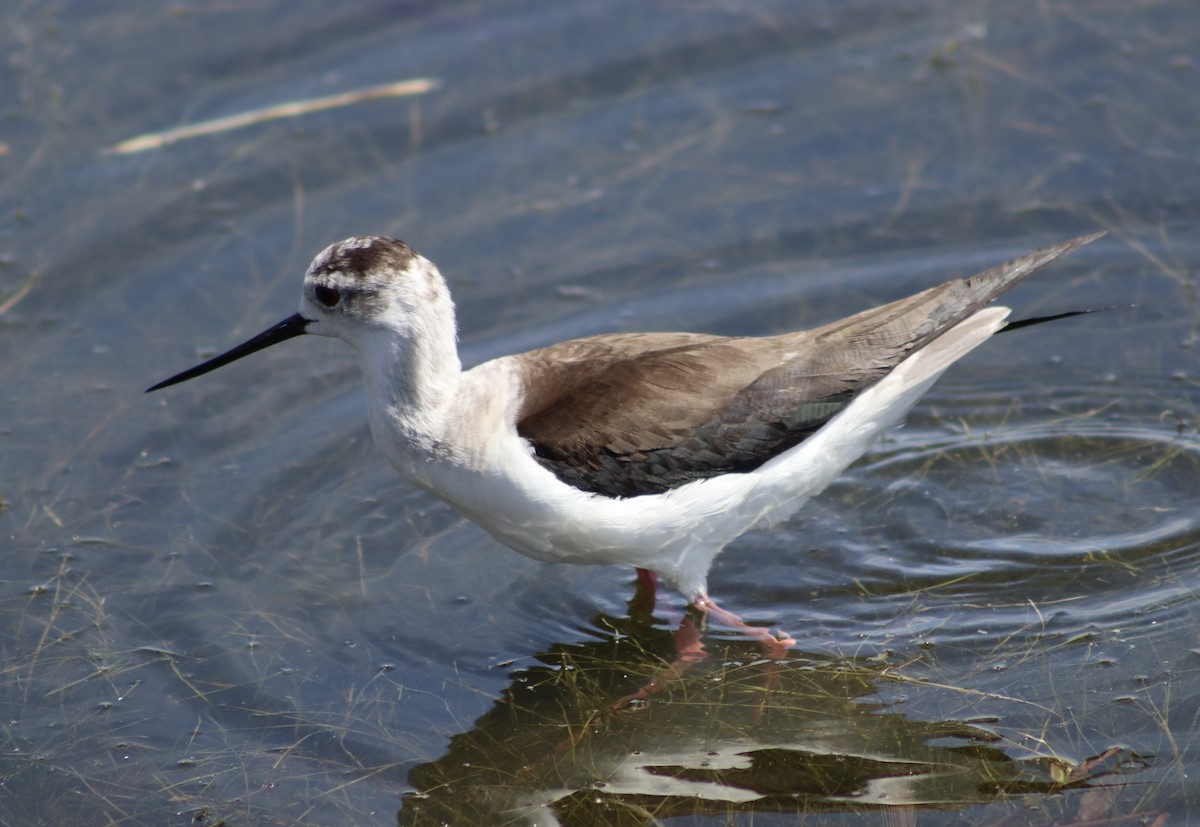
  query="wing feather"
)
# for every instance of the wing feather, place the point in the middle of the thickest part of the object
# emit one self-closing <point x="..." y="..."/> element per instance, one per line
<point x="625" y="415"/>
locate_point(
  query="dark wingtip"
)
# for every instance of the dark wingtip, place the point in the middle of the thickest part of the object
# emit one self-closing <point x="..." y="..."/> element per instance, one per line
<point x="1042" y="319"/>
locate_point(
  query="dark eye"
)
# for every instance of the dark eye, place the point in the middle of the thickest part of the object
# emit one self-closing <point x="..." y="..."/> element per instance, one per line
<point x="327" y="296"/>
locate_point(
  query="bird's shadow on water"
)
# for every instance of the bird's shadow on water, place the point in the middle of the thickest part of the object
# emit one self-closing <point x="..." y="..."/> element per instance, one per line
<point x="734" y="736"/>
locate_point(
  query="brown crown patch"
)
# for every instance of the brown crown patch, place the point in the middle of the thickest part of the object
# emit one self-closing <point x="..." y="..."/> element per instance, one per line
<point x="360" y="256"/>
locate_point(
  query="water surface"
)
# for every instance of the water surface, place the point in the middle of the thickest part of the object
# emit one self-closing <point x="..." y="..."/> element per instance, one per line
<point x="218" y="603"/>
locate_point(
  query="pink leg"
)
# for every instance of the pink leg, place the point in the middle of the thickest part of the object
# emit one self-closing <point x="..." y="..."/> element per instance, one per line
<point x="645" y="595"/>
<point x="647" y="580"/>
<point x="773" y="647"/>
<point x="689" y="646"/>
<point x="689" y="650"/>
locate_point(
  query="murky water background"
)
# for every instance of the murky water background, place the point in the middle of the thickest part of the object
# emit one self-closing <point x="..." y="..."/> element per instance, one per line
<point x="219" y="605"/>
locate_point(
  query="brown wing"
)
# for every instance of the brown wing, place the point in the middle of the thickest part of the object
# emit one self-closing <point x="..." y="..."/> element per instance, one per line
<point x="630" y="414"/>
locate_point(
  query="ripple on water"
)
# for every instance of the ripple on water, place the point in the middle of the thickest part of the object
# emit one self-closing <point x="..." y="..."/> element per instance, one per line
<point x="1078" y="524"/>
<point x="1038" y="497"/>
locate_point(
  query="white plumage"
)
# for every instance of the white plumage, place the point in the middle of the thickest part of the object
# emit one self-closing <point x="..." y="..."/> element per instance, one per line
<point x="647" y="450"/>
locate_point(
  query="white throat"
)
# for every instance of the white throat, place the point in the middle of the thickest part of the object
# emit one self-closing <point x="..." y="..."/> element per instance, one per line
<point x="412" y="374"/>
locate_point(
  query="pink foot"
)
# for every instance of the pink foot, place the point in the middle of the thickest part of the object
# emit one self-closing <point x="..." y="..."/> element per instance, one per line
<point x="774" y="647"/>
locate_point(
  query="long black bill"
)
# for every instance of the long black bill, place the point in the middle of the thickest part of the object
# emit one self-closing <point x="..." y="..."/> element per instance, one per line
<point x="289" y="328"/>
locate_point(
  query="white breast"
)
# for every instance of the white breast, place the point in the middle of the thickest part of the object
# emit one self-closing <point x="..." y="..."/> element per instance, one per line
<point x="491" y="476"/>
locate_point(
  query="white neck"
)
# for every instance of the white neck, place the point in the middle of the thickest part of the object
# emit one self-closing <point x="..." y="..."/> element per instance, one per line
<point x="412" y="376"/>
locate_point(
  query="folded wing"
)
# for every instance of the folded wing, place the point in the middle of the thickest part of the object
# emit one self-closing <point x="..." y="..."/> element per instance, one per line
<point x="625" y="415"/>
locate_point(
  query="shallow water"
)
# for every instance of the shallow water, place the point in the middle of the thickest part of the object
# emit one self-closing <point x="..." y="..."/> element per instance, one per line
<point x="218" y="602"/>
